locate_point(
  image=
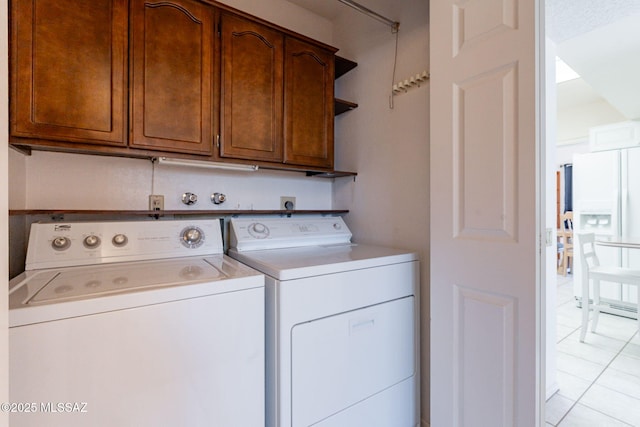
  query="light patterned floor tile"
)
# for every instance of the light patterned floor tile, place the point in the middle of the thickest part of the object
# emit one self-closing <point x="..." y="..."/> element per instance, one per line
<point x="628" y="364"/>
<point x="563" y="332"/>
<point x="587" y="351"/>
<point x="571" y="386"/>
<point x="620" y="381"/>
<point x="613" y="403"/>
<point x="557" y="407"/>
<point x="578" y="367"/>
<point x="583" y="416"/>
<point x="601" y="341"/>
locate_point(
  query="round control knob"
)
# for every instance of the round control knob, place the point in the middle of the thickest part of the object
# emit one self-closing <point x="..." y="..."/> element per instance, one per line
<point x="259" y="230"/>
<point x="60" y="243"/>
<point x="119" y="240"/>
<point x="192" y="237"/>
<point x="91" y="241"/>
<point x="337" y="226"/>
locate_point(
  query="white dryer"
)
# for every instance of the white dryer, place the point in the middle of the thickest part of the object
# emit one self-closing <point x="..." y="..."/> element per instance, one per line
<point x="341" y="322"/>
<point x="135" y="324"/>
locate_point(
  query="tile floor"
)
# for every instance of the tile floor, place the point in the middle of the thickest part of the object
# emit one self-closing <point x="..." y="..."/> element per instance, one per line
<point x="599" y="379"/>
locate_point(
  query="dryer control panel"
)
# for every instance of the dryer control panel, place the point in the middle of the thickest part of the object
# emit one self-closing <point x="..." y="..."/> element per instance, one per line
<point x="275" y="233"/>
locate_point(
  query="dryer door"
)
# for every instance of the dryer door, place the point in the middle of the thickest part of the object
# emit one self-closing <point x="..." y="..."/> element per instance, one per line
<point x="340" y="361"/>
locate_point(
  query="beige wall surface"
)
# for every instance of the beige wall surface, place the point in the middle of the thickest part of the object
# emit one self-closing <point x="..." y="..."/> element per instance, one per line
<point x="388" y="147"/>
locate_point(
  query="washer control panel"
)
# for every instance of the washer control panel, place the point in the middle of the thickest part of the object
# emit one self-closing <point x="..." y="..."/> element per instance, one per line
<point x="85" y="243"/>
<point x="274" y="233"/>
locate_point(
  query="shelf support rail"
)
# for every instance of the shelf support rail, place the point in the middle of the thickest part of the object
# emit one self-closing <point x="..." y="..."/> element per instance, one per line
<point x="362" y="9"/>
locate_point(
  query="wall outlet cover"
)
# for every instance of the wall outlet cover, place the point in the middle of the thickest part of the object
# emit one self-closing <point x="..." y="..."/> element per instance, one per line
<point x="156" y="202"/>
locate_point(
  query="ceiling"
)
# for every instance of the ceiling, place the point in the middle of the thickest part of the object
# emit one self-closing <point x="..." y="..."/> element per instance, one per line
<point x="326" y="8"/>
<point x="600" y="40"/>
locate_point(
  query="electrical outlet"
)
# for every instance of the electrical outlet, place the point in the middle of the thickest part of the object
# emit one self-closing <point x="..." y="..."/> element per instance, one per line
<point x="287" y="203"/>
<point x="156" y="202"/>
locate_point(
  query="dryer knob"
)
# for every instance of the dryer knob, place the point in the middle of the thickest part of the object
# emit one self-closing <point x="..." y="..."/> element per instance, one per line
<point x="258" y="230"/>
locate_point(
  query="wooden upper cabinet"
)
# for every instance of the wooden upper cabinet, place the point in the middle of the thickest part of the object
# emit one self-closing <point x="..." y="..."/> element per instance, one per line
<point x="251" y="84"/>
<point x="69" y="70"/>
<point x="172" y="79"/>
<point x="308" y="104"/>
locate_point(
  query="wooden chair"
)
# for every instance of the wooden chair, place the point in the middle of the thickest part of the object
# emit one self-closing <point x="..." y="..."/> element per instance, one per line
<point x="594" y="272"/>
<point x="565" y="243"/>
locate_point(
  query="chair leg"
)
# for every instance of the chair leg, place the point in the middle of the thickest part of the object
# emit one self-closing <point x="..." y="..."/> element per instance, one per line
<point x="565" y="263"/>
<point x="561" y="264"/>
<point x="585" y="306"/>
<point x="596" y="305"/>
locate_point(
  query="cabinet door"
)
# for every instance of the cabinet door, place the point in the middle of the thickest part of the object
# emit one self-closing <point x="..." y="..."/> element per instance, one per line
<point x="69" y="78"/>
<point x="308" y="104"/>
<point x="172" y="76"/>
<point x="251" y="110"/>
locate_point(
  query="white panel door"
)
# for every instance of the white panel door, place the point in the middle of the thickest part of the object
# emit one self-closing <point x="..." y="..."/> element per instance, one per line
<point x="484" y="206"/>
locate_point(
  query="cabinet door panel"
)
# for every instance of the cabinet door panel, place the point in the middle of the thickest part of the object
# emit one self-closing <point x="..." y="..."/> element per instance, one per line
<point x="172" y="76"/>
<point x="69" y="70"/>
<point x="252" y="90"/>
<point x="308" y="104"/>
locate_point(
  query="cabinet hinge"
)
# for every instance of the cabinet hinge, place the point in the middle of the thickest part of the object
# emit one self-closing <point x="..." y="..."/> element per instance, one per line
<point x="218" y="140"/>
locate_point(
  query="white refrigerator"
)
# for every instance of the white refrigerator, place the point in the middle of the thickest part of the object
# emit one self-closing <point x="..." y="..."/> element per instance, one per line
<point x="606" y="201"/>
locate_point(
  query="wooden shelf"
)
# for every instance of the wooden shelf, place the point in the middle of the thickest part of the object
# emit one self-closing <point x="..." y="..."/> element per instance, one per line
<point x="343" y="66"/>
<point x="332" y="174"/>
<point x="54" y="212"/>
<point x="342" y="106"/>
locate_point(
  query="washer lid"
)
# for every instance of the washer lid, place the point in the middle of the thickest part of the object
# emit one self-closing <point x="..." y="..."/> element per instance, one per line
<point x="69" y="292"/>
<point x="296" y="263"/>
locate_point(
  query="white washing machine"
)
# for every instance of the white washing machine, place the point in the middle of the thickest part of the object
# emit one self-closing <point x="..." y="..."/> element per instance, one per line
<point x="135" y="324"/>
<point x="341" y="322"/>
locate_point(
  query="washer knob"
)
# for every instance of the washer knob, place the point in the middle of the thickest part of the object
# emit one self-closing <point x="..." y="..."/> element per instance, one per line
<point x="192" y="237"/>
<point x="91" y="241"/>
<point x="119" y="240"/>
<point x="61" y="243"/>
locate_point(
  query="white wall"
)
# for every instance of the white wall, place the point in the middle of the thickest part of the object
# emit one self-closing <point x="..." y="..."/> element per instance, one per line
<point x="389" y="148"/>
<point x="287" y="15"/>
<point x="574" y="122"/>
<point x="73" y="181"/>
<point x="4" y="190"/>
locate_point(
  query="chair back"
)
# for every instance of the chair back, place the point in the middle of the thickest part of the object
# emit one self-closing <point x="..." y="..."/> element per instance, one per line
<point x="588" y="257"/>
<point x="566" y="229"/>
